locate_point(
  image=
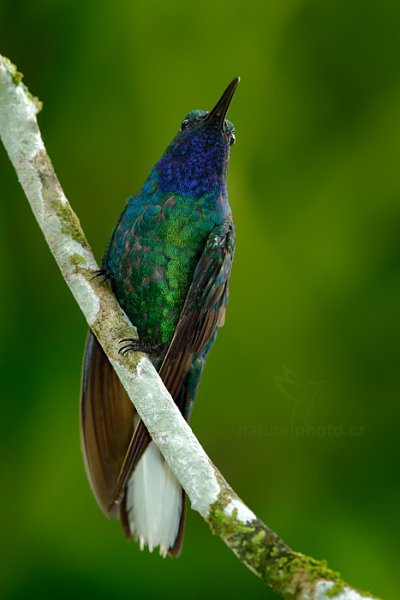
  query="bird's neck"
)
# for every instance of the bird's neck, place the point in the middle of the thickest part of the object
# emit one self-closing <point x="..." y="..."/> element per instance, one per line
<point x="196" y="170"/>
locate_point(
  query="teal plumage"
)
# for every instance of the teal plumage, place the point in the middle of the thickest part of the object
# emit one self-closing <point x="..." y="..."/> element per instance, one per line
<point x="169" y="261"/>
<point x="152" y="257"/>
<point x="161" y="233"/>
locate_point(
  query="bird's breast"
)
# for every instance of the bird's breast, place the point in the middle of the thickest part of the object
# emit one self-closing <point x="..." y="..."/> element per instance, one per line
<point x="152" y="257"/>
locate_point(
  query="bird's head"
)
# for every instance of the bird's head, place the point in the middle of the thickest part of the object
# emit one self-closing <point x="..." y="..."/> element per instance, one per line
<point x="196" y="161"/>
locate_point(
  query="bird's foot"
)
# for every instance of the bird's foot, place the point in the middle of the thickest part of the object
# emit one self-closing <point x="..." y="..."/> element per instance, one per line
<point x="104" y="274"/>
<point x="135" y="345"/>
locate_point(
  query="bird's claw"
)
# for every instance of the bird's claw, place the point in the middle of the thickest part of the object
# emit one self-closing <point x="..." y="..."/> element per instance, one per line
<point x="134" y="345"/>
<point x="106" y="275"/>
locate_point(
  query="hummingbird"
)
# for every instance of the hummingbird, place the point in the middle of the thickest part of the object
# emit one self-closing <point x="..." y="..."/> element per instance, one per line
<point x="168" y="262"/>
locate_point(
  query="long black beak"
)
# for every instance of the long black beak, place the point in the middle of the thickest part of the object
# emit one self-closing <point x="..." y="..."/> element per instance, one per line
<point x="218" y="113"/>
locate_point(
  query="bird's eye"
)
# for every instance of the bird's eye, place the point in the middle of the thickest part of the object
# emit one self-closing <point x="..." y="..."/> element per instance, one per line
<point x="184" y="124"/>
<point x="232" y="138"/>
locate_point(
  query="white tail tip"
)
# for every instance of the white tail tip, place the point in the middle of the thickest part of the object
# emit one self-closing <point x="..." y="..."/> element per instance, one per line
<point x="154" y="502"/>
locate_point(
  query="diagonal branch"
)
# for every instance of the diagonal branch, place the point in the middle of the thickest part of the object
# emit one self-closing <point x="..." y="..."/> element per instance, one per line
<point x="291" y="574"/>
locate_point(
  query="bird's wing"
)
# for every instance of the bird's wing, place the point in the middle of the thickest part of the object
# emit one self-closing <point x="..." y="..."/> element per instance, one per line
<point x="107" y="425"/>
<point x="204" y="308"/>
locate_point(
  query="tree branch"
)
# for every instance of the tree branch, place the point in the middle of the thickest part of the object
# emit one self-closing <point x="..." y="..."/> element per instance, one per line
<point x="289" y="573"/>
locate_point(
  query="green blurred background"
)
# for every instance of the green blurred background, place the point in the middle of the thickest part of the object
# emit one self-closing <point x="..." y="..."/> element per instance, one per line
<point x="299" y="404"/>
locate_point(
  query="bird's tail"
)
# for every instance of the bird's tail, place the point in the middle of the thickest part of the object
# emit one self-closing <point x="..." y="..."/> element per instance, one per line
<point x="154" y="504"/>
